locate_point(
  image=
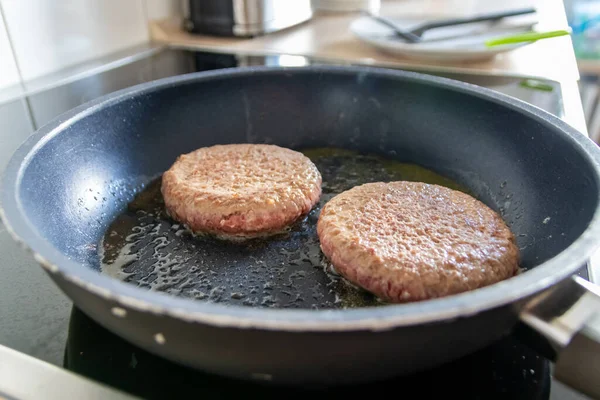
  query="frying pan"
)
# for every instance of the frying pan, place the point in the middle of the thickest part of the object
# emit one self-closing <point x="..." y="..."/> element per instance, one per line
<point x="66" y="185"/>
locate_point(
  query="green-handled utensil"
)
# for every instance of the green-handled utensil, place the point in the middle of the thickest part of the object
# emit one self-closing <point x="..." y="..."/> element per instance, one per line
<point x="525" y="37"/>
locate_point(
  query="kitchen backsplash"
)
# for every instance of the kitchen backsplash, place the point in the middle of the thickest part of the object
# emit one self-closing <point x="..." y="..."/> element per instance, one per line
<point x="39" y="37"/>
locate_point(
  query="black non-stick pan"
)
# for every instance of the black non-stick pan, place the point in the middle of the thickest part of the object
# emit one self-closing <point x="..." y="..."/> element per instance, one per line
<point x="83" y="195"/>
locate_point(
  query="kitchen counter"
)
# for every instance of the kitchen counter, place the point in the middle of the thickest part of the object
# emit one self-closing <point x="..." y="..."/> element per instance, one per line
<point x="328" y="36"/>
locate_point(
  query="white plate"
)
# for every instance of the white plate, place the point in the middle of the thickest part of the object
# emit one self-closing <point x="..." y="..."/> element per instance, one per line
<point x="456" y="43"/>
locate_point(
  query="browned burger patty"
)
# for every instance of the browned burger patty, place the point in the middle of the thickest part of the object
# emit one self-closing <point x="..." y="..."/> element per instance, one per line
<point x="240" y="190"/>
<point x="409" y="241"/>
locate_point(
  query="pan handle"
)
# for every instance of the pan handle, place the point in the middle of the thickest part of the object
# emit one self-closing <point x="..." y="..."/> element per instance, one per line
<point x="568" y="317"/>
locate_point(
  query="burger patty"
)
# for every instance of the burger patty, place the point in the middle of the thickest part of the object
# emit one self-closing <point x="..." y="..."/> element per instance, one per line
<point x="410" y="241"/>
<point x="240" y="190"/>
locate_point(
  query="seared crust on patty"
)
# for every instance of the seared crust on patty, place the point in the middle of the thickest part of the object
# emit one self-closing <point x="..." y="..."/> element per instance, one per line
<point x="240" y="190"/>
<point x="410" y="241"/>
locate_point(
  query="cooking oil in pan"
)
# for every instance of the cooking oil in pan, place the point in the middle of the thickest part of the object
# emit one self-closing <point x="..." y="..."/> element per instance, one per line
<point x="144" y="247"/>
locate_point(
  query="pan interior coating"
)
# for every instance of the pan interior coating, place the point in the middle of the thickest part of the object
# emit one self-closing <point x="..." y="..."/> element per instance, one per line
<point x="146" y="248"/>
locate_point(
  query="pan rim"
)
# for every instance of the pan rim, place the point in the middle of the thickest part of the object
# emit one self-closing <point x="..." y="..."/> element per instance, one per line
<point x="463" y="305"/>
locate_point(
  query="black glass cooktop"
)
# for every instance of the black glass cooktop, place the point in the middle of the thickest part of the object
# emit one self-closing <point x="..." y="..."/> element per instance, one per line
<point x="39" y="320"/>
<point x="506" y="370"/>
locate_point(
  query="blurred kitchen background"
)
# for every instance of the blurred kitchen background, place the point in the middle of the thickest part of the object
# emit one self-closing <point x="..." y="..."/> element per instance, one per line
<point x="44" y="43"/>
<point x="41" y="37"/>
<point x="584" y="19"/>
